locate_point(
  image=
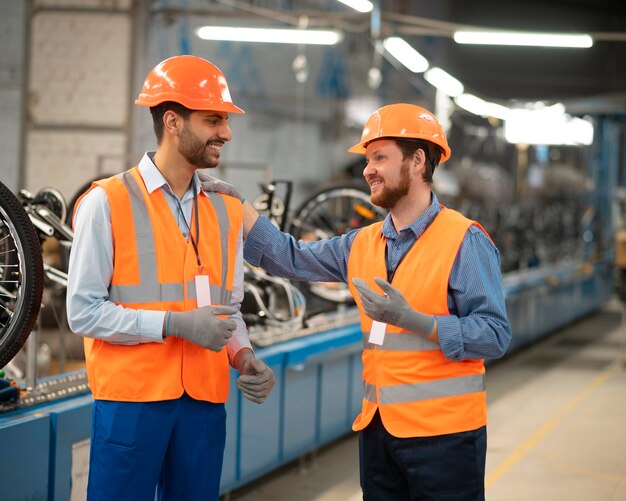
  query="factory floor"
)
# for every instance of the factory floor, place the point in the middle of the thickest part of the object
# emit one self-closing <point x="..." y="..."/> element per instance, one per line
<point x="557" y="427"/>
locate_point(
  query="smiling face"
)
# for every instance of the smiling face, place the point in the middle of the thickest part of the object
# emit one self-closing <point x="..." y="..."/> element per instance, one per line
<point x="387" y="173"/>
<point x="202" y="136"/>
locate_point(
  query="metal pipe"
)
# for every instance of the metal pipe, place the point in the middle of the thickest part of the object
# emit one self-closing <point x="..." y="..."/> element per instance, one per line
<point x="24" y="119"/>
<point x="31" y="357"/>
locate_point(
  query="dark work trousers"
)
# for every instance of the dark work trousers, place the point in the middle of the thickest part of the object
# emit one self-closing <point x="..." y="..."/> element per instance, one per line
<point x="442" y="468"/>
<point x="173" y="447"/>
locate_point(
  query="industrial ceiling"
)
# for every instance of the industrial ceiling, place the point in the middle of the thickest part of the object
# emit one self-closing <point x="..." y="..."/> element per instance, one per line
<point x="581" y="77"/>
<point x="531" y="73"/>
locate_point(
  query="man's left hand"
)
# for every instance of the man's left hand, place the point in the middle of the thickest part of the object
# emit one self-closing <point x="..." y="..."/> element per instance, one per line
<point x="256" y="380"/>
<point x="213" y="184"/>
<point x="392" y="308"/>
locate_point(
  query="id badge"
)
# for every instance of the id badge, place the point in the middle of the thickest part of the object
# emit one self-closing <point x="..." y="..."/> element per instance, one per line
<point x="203" y="291"/>
<point x="377" y="333"/>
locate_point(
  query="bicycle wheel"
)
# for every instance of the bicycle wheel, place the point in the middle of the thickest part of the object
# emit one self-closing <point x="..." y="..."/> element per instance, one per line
<point x="329" y="212"/>
<point x="21" y="275"/>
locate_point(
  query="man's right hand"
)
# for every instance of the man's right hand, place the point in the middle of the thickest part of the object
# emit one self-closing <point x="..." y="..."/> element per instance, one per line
<point x="202" y="326"/>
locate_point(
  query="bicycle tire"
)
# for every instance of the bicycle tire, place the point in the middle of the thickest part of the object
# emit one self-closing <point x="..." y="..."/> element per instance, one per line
<point x="20" y="295"/>
<point x="332" y="211"/>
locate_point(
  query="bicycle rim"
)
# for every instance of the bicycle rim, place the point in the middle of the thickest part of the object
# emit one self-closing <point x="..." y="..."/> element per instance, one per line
<point x="21" y="276"/>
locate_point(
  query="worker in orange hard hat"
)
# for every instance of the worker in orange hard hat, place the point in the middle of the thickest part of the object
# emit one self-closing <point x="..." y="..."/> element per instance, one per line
<point x="155" y="285"/>
<point x="428" y="287"/>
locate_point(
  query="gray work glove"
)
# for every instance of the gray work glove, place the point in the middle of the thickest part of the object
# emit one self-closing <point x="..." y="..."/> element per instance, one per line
<point x="256" y="380"/>
<point x="202" y="326"/>
<point x="392" y="308"/>
<point x="213" y="184"/>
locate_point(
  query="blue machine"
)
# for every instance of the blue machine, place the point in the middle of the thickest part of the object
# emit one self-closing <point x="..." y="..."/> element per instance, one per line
<point x="318" y="377"/>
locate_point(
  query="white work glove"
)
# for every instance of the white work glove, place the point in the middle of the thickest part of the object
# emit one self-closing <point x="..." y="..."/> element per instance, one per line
<point x="392" y="308"/>
<point x="202" y="326"/>
<point x="213" y="184"/>
<point x="256" y="380"/>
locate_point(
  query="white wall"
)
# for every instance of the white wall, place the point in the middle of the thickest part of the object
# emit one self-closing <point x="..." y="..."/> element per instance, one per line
<point x="11" y="90"/>
<point x="79" y="88"/>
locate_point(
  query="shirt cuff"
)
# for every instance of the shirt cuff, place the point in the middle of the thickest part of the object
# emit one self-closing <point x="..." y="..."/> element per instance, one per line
<point x="258" y="238"/>
<point x="151" y="325"/>
<point x="450" y="338"/>
<point x="239" y="339"/>
<point x="237" y="342"/>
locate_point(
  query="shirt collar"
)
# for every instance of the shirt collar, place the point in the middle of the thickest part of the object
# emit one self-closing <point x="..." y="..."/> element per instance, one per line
<point x="155" y="180"/>
<point x="418" y="226"/>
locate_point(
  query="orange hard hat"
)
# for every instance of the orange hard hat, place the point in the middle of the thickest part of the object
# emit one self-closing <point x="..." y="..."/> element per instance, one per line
<point x="191" y="81"/>
<point x="403" y="121"/>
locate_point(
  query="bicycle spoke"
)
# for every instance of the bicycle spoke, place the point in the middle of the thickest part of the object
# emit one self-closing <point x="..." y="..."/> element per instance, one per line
<point x="4" y="292"/>
<point x="324" y="221"/>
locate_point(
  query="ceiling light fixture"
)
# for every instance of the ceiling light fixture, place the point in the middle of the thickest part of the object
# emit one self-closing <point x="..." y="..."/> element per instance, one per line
<point x="360" y="5"/>
<point x="523" y="39"/>
<point x="405" y="54"/>
<point x="480" y="107"/>
<point x="550" y="125"/>
<point x="444" y="82"/>
<point x="269" y="35"/>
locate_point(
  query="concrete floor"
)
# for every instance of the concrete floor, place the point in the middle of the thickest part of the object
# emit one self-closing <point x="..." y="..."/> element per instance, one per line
<point x="557" y="427"/>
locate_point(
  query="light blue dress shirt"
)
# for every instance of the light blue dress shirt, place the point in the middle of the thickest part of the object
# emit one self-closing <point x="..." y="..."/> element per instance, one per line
<point x="477" y="326"/>
<point x="89" y="311"/>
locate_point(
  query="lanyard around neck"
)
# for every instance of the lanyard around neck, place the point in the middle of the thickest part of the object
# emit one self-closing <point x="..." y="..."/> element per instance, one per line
<point x="194" y="242"/>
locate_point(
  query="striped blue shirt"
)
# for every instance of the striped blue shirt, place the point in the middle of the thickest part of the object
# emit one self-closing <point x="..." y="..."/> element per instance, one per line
<point x="477" y="326"/>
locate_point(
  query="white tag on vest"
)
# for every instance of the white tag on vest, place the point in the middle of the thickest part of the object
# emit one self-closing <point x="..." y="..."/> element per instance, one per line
<point x="203" y="291"/>
<point x="377" y="333"/>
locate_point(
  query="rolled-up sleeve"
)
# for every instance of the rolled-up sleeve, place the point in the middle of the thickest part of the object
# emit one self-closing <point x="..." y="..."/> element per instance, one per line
<point x="477" y="327"/>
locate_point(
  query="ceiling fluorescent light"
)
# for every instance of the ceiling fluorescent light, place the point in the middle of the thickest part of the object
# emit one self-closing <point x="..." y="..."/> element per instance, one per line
<point x="360" y="5"/>
<point x="443" y="81"/>
<point x="406" y="54"/>
<point x="269" y="35"/>
<point x="480" y="107"/>
<point x="547" y="126"/>
<point x="523" y="39"/>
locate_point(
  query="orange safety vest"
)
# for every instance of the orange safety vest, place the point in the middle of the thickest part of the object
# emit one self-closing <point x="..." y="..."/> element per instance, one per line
<point x="416" y="389"/>
<point x="154" y="269"/>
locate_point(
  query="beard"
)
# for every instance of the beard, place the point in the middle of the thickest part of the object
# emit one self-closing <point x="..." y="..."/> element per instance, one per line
<point x="388" y="197"/>
<point x="194" y="150"/>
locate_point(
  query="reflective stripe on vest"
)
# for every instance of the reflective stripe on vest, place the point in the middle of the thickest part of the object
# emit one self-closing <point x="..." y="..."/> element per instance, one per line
<point x="149" y="289"/>
<point x="401" y="342"/>
<point x="222" y="217"/>
<point x="424" y="391"/>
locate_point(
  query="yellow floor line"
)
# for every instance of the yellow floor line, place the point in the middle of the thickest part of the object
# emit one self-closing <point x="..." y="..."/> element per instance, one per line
<point x="583" y="472"/>
<point x="519" y="453"/>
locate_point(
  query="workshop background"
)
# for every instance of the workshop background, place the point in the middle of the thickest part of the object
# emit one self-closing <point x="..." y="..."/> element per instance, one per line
<point x="538" y="138"/>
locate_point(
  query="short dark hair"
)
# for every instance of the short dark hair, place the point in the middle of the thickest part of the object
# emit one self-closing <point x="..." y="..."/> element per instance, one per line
<point x="159" y="110"/>
<point x="408" y="147"/>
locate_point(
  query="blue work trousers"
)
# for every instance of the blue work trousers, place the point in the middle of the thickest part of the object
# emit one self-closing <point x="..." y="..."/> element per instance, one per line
<point x="174" y="448"/>
<point x="441" y="468"/>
